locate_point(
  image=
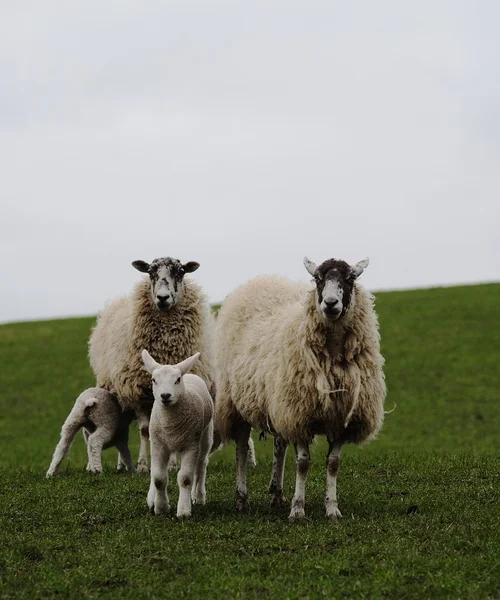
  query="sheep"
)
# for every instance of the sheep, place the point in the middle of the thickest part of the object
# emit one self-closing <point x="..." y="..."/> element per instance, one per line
<point x="299" y="362"/>
<point x="104" y="424"/>
<point x="182" y="423"/>
<point x="166" y="314"/>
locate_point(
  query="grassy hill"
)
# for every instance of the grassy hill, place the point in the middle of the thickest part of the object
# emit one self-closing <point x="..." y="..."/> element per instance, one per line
<point x="83" y="536"/>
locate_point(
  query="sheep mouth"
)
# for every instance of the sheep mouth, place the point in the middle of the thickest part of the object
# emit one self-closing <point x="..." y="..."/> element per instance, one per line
<point x="164" y="308"/>
<point x="332" y="313"/>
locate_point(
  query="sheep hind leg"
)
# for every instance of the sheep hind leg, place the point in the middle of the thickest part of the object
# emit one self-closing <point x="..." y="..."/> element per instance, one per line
<point x="68" y="434"/>
<point x="242" y="437"/>
<point x="278" y="499"/>
<point x="332" y="468"/>
<point x="303" y="461"/>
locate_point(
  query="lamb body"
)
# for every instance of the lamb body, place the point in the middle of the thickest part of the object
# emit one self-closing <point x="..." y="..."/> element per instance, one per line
<point x="100" y="415"/>
<point x="286" y="366"/>
<point x="181" y="423"/>
<point x="166" y="314"/>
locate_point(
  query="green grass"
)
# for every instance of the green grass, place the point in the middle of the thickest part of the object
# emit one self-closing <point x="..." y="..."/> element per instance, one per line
<point x="81" y="536"/>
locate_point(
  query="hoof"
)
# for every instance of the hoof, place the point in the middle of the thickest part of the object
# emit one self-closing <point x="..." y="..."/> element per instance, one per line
<point x="200" y="500"/>
<point x="333" y="513"/>
<point x="142" y="468"/>
<point x="297" y="514"/>
<point x="278" y="501"/>
<point x="242" y="504"/>
<point x="183" y="515"/>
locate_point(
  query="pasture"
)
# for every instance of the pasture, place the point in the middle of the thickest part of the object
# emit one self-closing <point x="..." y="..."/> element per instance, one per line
<point x="420" y="504"/>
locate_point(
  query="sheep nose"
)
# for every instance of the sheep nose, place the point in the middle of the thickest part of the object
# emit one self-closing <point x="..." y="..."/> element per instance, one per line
<point x="331" y="303"/>
<point x="166" y="397"/>
<point x="163" y="299"/>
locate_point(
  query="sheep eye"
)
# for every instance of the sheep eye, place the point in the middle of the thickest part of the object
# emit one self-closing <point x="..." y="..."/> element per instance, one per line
<point x="178" y="381"/>
<point x="153" y="380"/>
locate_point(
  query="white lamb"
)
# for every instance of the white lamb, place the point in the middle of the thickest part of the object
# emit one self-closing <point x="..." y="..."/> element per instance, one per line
<point x="181" y="422"/>
<point x="104" y="424"/>
<point x="299" y="362"/>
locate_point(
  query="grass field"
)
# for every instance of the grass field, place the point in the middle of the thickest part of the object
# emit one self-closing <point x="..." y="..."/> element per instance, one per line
<point x="420" y="504"/>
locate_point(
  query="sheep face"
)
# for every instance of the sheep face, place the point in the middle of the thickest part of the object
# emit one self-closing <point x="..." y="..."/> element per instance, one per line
<point x="167" y="280"/>
<point x="167" y="380"/>
<point x="334" y="281"/>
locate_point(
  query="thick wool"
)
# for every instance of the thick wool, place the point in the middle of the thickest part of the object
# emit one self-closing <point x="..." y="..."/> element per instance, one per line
<point x="132" y="323"/>
<point x="284" y="369"/>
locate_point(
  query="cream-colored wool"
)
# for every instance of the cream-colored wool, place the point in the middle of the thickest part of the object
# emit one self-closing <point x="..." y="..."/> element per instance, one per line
<point x="284" y="369"/>
<point x="132" y="323"/>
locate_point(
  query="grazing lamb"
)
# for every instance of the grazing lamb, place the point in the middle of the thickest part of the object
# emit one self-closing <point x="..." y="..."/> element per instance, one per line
<point x="299" y="362"/>
<point x="182" y="423"/>
<point x="167" y="314"/>
<point x="104" y="423"/>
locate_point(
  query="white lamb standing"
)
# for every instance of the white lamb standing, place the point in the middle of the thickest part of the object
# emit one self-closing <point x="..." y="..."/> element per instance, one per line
<point x="104" y="424"/>
<point x="182" y="423"/>
<point x="299" y="362"/>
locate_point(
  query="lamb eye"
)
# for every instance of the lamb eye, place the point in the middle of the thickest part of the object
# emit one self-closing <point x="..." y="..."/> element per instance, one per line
<point x="153" y="380"/>
<point x="178" y="380"/>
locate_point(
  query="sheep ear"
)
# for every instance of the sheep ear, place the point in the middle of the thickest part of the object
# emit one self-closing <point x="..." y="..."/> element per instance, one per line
<point x="360" y="267"/>
<point x="190" y="267"/>
<point x="310" y="266"/>
<point x="150" y="363"/>
<point x="186" y="365"/>
<point x="141" y="266"/>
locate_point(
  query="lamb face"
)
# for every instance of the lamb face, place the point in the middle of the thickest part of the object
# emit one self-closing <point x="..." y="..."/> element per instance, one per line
<point x="167" y="380"/>
<point x="334" y="281"/>
<point x="167" y="279"/>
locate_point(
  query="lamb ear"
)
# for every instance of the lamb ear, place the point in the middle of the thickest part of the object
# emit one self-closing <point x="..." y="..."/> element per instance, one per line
<point x="186" y="365"/>
<point x="150" y="363"/>
<point x="141" y="265"/>
<point x="310" y="266"/>
<point x="190" y="267"/>
<point x="360" y="267"/>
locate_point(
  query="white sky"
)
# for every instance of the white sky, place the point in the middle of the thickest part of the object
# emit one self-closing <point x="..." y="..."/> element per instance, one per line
<point x="244" y="136"/>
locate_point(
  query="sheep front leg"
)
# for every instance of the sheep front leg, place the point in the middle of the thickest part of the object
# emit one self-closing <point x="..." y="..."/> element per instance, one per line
<point x="303" y="461"/>
<point x="332" y="468"/>
<point x="276" y="484"/>
<point x="157" y="499"/>
<point x="243" y="436"/>
<point x="143" y="423"/>
<point x="185" y="478"/>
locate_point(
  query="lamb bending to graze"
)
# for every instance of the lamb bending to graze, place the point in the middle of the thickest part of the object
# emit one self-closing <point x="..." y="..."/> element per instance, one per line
<point x="297" y="362"/>
<point x="104" y="423"/>
<point x="181" y="422"/>
<point x="166" y="314"/>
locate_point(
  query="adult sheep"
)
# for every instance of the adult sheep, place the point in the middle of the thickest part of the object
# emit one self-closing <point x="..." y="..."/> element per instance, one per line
<point x="168" y="315"/>
<point x="298" y="362"/>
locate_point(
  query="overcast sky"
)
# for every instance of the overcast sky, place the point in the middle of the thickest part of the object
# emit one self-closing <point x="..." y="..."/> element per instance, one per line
<point x="244" y="135"/>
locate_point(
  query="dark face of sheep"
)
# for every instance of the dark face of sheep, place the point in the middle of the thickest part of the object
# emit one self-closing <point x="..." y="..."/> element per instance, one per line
<point x="167" y="279"/>
<point x="334" y="281"/>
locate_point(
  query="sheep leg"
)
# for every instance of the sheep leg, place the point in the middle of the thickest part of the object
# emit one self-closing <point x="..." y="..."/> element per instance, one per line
<point x="86" y="438"/>
<point x="332" y="468"/>
<point x="303" y="461"/>
<point x="276" y="485"/>
<point x="157" y="499"/>
<point x="242" y="438"/>
<point x="185" y="478"/>
<point x="251" y="453"/>
<point x="95" y="444"/>
<point x="198" y="492"/>
<point x="124" y="457"/>
<point x="68" y="434"/>
<point x="143" y="423"/>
